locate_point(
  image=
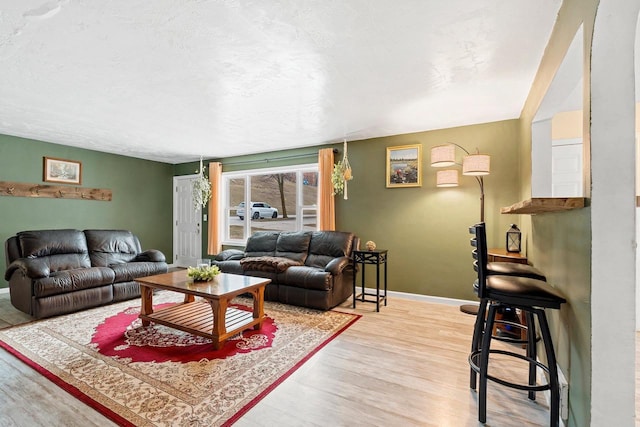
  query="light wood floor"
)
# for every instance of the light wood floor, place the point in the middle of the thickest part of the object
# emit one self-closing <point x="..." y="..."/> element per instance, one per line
<point x="406" y="365"/>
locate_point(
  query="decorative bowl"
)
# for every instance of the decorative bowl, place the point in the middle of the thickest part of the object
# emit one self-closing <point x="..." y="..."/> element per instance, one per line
<point x="203" y="273"/>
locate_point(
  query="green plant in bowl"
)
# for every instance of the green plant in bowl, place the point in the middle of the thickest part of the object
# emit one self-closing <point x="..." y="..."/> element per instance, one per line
<point x="203" y="274"/>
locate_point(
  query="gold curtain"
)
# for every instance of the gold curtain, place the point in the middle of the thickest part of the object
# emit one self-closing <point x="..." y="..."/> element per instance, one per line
<point x="326" y="202"/>
<point x="215" y="175"/>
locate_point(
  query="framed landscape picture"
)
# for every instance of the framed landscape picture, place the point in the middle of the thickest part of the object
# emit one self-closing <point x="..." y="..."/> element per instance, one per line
<point x="63" y="171"/>
<point x="404" y="166"/>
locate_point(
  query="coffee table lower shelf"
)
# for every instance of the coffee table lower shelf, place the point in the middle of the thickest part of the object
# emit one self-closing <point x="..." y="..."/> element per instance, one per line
<point x="197" y="318"/>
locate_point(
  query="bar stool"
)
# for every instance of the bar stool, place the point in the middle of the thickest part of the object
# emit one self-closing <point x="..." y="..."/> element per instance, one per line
<point x="505" y="269"/>
<point x="531" y="296"/>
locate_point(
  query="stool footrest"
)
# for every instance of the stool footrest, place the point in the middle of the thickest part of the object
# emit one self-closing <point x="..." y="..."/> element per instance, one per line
<point x="526" y="387"/>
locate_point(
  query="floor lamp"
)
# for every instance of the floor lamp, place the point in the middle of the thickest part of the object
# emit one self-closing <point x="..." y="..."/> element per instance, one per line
<point x="476" y="165"/>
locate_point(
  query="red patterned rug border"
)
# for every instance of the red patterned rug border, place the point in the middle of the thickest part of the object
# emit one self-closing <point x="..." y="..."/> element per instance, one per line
<point x="72" y="390"/>
<point x="120" y="420"/>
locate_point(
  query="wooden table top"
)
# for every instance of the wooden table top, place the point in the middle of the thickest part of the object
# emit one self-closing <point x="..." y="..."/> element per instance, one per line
<point x="504" y="253"/>
<point x="222" y="284"/>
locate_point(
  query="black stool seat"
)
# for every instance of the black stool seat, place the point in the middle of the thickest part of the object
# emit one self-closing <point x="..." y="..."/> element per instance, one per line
<point x="505" y="269"/>
<point x="515" y="269"/>
<point x="532" y="296"/>
<point x="523" y="291"/>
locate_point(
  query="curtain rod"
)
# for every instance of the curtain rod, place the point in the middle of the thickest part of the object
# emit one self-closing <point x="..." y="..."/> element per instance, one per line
<point x="275" y="159"/>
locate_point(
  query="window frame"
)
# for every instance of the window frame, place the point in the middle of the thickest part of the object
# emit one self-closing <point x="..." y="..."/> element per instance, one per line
<point x="224" y="206"/>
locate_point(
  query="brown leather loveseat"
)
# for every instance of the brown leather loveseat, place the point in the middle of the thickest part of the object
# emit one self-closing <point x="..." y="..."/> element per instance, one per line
<point x="309" y="269"/>
<point x="53" y="272"/>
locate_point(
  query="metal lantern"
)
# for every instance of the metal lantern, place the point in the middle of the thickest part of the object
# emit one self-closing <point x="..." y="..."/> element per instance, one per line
<point x="513" y="239"/>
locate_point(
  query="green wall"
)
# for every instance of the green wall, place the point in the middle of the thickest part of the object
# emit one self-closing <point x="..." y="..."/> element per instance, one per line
<point x="560" y="243"/>
<point x="561" y="247"/>
<point x="142" y="197"/>
<point x="424" y="228"/>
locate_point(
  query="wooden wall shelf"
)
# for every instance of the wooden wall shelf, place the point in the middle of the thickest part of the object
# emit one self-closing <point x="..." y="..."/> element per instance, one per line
<point x="23" y="189"/>
<point x="544" y="204"/>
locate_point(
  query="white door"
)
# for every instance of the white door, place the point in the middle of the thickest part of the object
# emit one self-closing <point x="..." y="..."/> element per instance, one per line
<point x="187" y="236"/>
<point x="566" y="170"/>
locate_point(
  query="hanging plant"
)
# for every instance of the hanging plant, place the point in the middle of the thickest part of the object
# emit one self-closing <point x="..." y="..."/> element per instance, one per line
<point x="341" y="174"/>
<point x="337" y="178"/>
<point x="201" y="190"/>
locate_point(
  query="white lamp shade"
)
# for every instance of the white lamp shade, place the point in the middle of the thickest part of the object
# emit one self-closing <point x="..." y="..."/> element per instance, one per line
<point x="476" y="164"/>
<point x="443" y="155"/>
<point x="447" y="178"/>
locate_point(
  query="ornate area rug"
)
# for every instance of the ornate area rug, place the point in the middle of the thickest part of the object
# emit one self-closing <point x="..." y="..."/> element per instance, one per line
<point x="158" y="376"/>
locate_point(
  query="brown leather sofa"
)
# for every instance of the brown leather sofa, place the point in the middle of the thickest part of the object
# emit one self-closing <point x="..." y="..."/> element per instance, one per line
<point x="309" y="269"/>
<point x="53" y="272"/>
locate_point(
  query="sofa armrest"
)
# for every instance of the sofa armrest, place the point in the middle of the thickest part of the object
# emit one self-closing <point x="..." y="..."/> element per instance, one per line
<point x="229" y="266"/>
<point x="337" y="265"/>
<point x="229" y="254"/>
<point x="151" y="255"/>
<point x="34" y="268"/>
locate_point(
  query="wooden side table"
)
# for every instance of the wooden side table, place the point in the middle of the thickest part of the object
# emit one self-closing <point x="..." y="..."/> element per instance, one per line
<point x="377" y="257"/>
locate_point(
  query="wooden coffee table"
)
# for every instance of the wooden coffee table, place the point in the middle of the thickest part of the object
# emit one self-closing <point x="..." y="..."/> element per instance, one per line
<point x="211" y="317"/>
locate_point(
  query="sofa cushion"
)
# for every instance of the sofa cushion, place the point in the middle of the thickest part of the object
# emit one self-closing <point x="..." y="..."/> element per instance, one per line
<point x="293" y="245"/>
<point x="133" y="270"/>
<point x="327" y="245"/>
<point x="109" y="247"/>
<point x="72" y="280"/>
<point x="268" y="263"/>
<point x="59" y="249"/>
<point x="262" y="243"/>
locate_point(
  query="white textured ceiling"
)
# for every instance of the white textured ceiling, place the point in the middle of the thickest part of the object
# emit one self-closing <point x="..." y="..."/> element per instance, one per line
<point x="173" y="80"/>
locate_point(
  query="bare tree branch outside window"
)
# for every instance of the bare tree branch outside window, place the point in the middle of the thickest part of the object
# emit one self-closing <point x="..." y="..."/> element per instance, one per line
<point x="280" y="179"/>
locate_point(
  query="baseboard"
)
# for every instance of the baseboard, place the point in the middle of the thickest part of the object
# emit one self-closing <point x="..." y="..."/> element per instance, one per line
<point x="4" y="290"/>
<point x="420" y="297"/>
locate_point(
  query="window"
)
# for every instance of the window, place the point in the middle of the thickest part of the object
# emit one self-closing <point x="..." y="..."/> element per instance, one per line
<point x="278" y="199"/>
